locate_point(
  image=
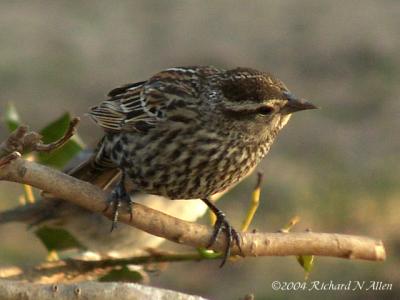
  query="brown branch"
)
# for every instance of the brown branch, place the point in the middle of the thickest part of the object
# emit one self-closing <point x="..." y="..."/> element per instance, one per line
<point x="22" y="139"/>
<point x="41" y="147"/>
<point x="16" y="169"/>
<point x="9" y="157"/>
<point x="87" y="290"/>
<point x="15" y="142"/>
<point x="157" y="223"/>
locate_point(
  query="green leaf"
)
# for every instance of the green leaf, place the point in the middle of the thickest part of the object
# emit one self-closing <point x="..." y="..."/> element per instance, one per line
<point x="52" y="132"/>
<point x="206" y="253"/>
<point x="123" y="274"/>
<point x="11" y="117"/>
<point x="57" y="239"/>
<point x="307" y="262"/>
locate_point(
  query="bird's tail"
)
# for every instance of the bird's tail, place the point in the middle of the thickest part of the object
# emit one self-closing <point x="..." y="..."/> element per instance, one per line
<point x="90" y="171"/>
<point x="95" y="167"/>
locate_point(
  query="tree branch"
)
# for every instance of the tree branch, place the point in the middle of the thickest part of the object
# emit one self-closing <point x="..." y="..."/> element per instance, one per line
<point x="157" y="223"/>
<point x="16" y="169"/>
<point x="87" y="290"/>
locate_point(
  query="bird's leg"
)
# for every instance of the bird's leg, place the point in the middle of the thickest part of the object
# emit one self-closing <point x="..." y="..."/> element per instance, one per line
<point x="232" y="236"/>
<point x="117" y="197"/>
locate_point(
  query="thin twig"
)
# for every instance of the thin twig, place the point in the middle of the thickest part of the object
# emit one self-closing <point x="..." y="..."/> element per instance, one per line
<point x="255" y="201"/>
<point x="41" y="147"/>
<point x="22" y="139"/>
<point x="14" y="142"/>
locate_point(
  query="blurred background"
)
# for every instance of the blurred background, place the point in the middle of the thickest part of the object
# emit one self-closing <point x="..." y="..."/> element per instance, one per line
<point x="337" y="168"/>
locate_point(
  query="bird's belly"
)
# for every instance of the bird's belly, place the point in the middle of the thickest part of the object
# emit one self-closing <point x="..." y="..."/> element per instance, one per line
<point x="188" y="169"/>
<point x="178" y="180"/>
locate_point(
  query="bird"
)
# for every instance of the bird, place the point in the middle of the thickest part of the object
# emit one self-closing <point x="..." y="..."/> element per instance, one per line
<point x="190" y="133"/>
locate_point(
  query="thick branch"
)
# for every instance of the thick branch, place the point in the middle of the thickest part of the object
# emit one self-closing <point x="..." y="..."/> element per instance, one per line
<point x="87" y="290"/>
<point x="157" y="223"/>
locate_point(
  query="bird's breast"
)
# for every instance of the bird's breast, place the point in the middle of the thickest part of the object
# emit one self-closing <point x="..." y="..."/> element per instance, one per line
<point x="187" y="163"/>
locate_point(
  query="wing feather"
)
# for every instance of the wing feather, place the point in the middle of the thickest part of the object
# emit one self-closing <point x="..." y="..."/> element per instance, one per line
<point x="124" y="106"/>
<point x="139" y="106"/>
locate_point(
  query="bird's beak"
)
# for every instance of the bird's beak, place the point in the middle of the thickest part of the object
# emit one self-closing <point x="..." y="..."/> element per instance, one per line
<point x="294" y="104"/>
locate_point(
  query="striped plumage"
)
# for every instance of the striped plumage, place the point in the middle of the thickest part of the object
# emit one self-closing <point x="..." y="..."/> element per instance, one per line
<point x="191" y="132"/>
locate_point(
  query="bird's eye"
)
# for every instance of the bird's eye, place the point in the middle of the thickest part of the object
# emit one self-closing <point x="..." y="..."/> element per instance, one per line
<point x="265" y="110"/>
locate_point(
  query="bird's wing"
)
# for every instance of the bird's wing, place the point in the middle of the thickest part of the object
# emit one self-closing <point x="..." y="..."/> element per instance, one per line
<point x="123" y="103"/>
<point x="140" y="106"/>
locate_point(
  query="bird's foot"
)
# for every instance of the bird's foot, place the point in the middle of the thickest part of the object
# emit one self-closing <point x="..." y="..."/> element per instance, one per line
<point x="118" y="197"/>
<point x="232" y="236"/>
<point x="221" y="224"/>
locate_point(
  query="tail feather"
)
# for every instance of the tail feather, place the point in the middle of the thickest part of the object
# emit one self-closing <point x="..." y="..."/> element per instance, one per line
<point x="90" y="172"/>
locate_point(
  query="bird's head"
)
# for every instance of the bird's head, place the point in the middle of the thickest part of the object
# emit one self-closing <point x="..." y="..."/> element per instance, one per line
<point x="258" y="101"/>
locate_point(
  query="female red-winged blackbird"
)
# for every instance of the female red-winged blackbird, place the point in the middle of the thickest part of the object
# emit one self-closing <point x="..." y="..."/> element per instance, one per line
<point x="191" y="132"/>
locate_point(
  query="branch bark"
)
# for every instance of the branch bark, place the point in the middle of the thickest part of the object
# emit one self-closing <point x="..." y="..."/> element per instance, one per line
<point x="157" y="223"/>
<point x="16" y="290"/>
